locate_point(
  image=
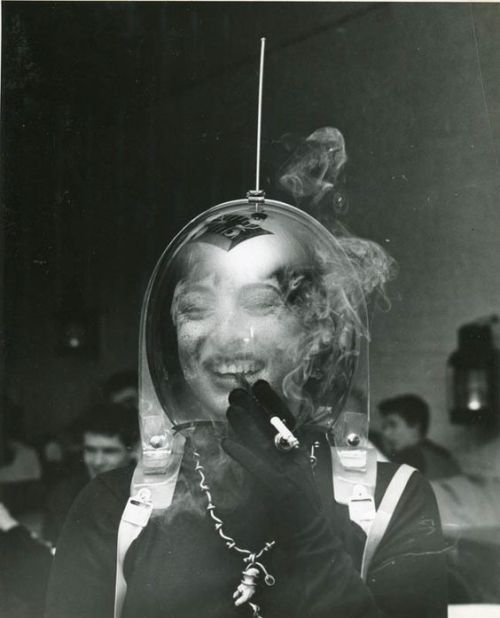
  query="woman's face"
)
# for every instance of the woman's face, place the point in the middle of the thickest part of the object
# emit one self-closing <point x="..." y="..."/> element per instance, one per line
<point x="232" y="318"/>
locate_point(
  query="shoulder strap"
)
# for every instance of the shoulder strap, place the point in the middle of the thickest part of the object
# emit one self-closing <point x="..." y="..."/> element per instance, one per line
<point x="134" y="518"/>
<point x="148" y="492"/>
<point x="384" y="514"/>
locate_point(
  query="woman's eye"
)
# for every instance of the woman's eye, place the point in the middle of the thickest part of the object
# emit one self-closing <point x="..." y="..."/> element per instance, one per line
<point x="261" y="302"/>
<point x="194" y="308"/>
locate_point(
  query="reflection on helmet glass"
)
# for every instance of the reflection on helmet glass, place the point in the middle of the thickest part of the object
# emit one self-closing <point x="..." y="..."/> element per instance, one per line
<point x="233" y="320"/>
<point x="243" y="294"/>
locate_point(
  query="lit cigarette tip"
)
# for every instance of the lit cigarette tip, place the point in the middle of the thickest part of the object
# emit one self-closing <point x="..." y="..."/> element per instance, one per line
<point x="284" y="432"/>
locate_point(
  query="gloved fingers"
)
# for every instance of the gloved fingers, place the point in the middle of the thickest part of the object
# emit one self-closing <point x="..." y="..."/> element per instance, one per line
<point x="272" y="402"/>
<point x="238" y="396"/>
<point x="255" y="417"/>
<point x="262" y="402"/>
<point x="246" y="430"/>
<point x="257" y="467"/>
<point x="293" y="506"/>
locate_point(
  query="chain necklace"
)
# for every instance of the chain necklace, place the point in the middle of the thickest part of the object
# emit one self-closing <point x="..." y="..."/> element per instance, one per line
<point x="252" y="567"/>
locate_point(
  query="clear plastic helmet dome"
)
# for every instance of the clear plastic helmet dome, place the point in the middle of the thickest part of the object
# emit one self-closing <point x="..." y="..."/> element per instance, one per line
<point x="245" y="292"/>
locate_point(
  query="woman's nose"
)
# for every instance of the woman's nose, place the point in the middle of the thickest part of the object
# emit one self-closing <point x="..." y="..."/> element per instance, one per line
<point x="233" y="327"/>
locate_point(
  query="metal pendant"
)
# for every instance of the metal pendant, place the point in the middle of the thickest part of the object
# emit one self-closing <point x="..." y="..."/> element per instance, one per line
<point x="246" y="589"/>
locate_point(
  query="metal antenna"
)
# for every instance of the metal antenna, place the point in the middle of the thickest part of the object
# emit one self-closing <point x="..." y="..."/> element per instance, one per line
<point x="259" y="112"/>
<point x="256" y="196"/>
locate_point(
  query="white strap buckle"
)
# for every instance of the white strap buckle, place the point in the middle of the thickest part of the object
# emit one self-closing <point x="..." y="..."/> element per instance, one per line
<point x="353" y="459"/>
<point x="138" y="509"/>
<point x="362" y="507"/>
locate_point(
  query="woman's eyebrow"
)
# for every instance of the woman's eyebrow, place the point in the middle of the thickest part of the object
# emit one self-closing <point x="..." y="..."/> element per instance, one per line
<point x="281" y="277"/>
<point x="197" y="287"/>
<point x="187" y="287"/>
<point x="271" y="279"/>
<point x="268" y="285"/>
<point x="275" y="274"/>
<point x="183" y="291"/>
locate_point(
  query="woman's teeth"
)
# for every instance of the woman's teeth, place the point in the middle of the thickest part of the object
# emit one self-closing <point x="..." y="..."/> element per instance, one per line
<point x="240" y="368"/>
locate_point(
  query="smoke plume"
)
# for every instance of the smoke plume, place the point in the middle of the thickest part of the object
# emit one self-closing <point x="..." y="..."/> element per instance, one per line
<point x="349" y="273"/>
<point x="312" y="175"/>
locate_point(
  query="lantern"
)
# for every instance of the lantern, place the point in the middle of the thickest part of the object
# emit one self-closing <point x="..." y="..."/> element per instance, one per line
<point x="473" y="373"/>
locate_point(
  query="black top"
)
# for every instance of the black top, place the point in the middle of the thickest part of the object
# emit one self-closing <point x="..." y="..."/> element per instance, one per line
<point x="180" y="568"/>
<point x="24" y="568"/>
<point x="433" y="460"/>
<point x="59" y="502"/>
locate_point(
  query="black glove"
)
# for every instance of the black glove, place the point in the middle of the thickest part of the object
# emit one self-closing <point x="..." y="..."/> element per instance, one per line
<point x="321" y="568"/>
<point x="287" y="477"/>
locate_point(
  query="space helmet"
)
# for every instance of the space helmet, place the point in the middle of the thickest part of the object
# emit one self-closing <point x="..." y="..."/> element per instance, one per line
<point x="253" y="290"/>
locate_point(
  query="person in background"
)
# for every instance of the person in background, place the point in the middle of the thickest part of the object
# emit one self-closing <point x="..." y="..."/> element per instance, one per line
<point x="109" y="437"/>
<point x="21" y="460"/>
<point x="469" y="506"/>
<point x="405" y="423"/>
<point x="25" y="562"/>
<point x="21" y="471"/>
<point x="61" y="453"/>
<point x="354" y="402"/>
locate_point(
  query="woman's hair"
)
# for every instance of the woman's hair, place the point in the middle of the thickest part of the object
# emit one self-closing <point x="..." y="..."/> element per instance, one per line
<point x="330" y="299"/>
<point x="326" y="285"/>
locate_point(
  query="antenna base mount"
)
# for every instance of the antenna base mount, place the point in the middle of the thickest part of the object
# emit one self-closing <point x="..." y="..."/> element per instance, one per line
<point x="256" y="196"/>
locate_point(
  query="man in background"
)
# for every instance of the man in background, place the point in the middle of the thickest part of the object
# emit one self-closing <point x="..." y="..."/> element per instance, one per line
<point x="405" y="423"/>
<point x="110" y="434"/>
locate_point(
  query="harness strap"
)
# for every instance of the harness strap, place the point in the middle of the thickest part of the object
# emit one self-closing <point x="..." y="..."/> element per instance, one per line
<point x="139" y="508"/>
<point x="135" y="517"/>
<point x="384" y="514"/>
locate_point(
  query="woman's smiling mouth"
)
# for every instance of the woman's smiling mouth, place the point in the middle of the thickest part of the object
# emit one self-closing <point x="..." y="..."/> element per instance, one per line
<point x="229" y="371"/>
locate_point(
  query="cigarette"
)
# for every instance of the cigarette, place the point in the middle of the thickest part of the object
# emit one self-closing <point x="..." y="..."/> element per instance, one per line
<point x="284" y="434"/>
<point x="283" y="431"/>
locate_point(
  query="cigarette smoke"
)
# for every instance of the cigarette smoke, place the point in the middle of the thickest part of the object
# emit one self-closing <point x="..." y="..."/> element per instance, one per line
<point x="312" y="174"/>
<point x="315" y="171"/>
<point x="229" y="483"/>
<point x="333" y="308"/>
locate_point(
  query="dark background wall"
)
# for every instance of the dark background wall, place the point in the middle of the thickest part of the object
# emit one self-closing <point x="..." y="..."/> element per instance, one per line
<point x="122" y="120"/>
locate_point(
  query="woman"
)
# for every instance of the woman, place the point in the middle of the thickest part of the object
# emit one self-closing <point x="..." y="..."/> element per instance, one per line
<point x="253" y="326"/>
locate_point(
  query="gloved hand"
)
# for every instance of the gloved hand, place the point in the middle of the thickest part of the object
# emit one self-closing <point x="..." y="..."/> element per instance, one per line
<point x="322" y="569"/>
<point x="287" y="477"/>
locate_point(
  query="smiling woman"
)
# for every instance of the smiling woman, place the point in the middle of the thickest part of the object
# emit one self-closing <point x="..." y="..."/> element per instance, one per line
<point x="253" y="325"/>
<point x="235" y="322"/>
<point x="244" y="294"/>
